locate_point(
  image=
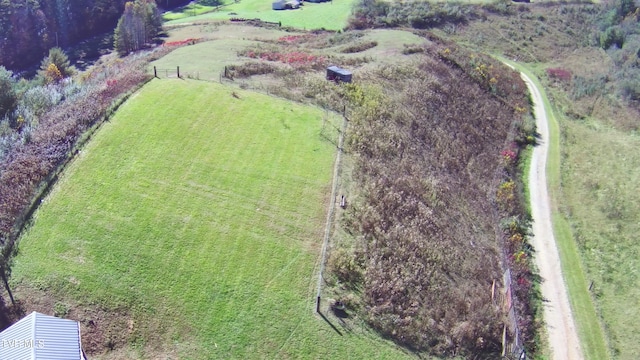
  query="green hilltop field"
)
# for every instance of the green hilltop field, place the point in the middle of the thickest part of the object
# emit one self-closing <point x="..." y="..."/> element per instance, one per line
<point x="198" y="212"/>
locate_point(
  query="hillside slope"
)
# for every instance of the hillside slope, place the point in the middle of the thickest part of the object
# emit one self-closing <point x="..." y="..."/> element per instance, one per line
<point x="424" y="225"/>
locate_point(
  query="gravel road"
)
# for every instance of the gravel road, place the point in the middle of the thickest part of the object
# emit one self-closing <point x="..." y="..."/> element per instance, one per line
<point x="562" y="335"/>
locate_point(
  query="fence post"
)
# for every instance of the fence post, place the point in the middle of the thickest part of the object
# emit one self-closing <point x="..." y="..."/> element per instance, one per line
<point x="155" y="72"/>
<point x="178" y="71"/>
<point x="6" y="283"/>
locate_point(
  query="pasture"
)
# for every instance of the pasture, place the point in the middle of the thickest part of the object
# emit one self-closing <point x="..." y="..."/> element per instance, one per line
<point x="331" y="15"/>
<point x="221" y="44"/>
<point x="603" y="208"/>
<point x="194" y="220"/>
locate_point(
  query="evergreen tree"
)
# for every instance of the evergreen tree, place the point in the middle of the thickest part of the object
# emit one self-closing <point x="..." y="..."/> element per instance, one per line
<point x="55" y="66"/>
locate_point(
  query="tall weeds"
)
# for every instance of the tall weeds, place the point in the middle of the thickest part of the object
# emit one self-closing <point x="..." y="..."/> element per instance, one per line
<point x="428" y="148"/>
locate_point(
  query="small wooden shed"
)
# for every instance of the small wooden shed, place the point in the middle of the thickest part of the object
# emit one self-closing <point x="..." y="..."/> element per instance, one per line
<point x="285" y="4"/>
<point x="335" y="73"/>
<point x="279" y="5"/>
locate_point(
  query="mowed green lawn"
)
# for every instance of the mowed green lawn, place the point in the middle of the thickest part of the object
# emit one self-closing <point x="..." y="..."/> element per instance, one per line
<point x="201" y="216"/>
<point x="329" y="15"/>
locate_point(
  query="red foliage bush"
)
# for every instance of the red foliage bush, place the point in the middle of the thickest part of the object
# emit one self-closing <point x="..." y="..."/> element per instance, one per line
<point x="189" y="41"/>
<point x="296" y="39"/>
<point x="559" y="73"/>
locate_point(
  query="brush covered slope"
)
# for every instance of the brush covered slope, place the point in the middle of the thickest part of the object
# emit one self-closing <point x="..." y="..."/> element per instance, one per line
<point x="422" y="244"/>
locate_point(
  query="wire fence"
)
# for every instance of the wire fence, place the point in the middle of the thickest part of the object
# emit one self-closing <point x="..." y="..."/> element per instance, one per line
<point x="332" y="205"/>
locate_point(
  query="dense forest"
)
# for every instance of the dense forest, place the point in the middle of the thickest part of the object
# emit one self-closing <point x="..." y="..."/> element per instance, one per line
<point x="29" y="28"/>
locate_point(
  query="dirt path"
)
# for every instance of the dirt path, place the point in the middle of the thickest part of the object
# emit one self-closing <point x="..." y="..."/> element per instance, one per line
<point x="562" y="336"/>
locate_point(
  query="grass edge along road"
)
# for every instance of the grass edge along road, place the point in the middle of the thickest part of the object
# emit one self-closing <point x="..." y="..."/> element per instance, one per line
<point x="591" y="335"/>
<point x="196" y="214"/>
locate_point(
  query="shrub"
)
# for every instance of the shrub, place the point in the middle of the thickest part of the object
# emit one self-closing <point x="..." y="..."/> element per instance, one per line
<point x="588" y="86"/>
<point x="249" y="69"/>
<point x="412" y="49"/>
<point x="189" y="41"/>
<point x="416" y="14"/>
<point x="559" y="73"/>
<point x="347" y="267"/>
<point x="506" y="195"/>
<point x="509" y="157"/>
<point x="612" y="36"/>
<point x="41" y="99"/>
<point x="8" y="96"/>
<point x="296" y="39"/>
<point x="50" y="144"/>
<point x="297" y="59"/>
<point x="359" y="47"/>
<point x="500" y="7"/>
<point x="211" y="2"/>
<point x="630" y="84"/>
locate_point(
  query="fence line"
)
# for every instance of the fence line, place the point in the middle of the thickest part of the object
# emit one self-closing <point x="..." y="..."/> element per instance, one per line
<point x="336" y="172"/>
<point x="512" y="346"/>
<point x="46" y="184"/>
<point x="332" y="206"/>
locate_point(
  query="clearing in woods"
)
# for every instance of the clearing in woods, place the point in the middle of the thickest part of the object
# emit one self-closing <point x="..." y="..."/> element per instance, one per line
<point x="195" y="213"/>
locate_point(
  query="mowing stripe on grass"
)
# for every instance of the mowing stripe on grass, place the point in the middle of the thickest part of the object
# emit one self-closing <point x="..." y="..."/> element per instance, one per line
<point x="198" y="216"/>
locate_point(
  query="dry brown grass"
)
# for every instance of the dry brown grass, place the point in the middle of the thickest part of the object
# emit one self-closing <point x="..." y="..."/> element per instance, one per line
<point x="421" y="246"/>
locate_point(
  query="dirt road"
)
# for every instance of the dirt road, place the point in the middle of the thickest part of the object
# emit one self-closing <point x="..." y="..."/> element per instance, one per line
<point x="561" y="329"/>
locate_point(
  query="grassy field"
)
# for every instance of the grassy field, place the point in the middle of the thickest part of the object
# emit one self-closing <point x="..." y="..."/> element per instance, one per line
<point x="192" y="9"/>
<point x="207" y="59"/>
<point x="604" y="214"/>
<point x="330" y="15"/>
<point x="198" y="213"/>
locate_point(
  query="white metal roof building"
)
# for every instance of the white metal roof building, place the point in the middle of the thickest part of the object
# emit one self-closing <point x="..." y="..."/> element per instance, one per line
<point x="39" y="336"/>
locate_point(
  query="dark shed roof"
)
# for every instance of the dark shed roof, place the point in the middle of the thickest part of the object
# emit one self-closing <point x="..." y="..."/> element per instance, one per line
<point x="339" y="70"/>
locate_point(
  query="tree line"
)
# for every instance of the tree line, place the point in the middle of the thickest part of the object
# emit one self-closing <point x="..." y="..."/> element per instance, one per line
<point x="29" y="28"/>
